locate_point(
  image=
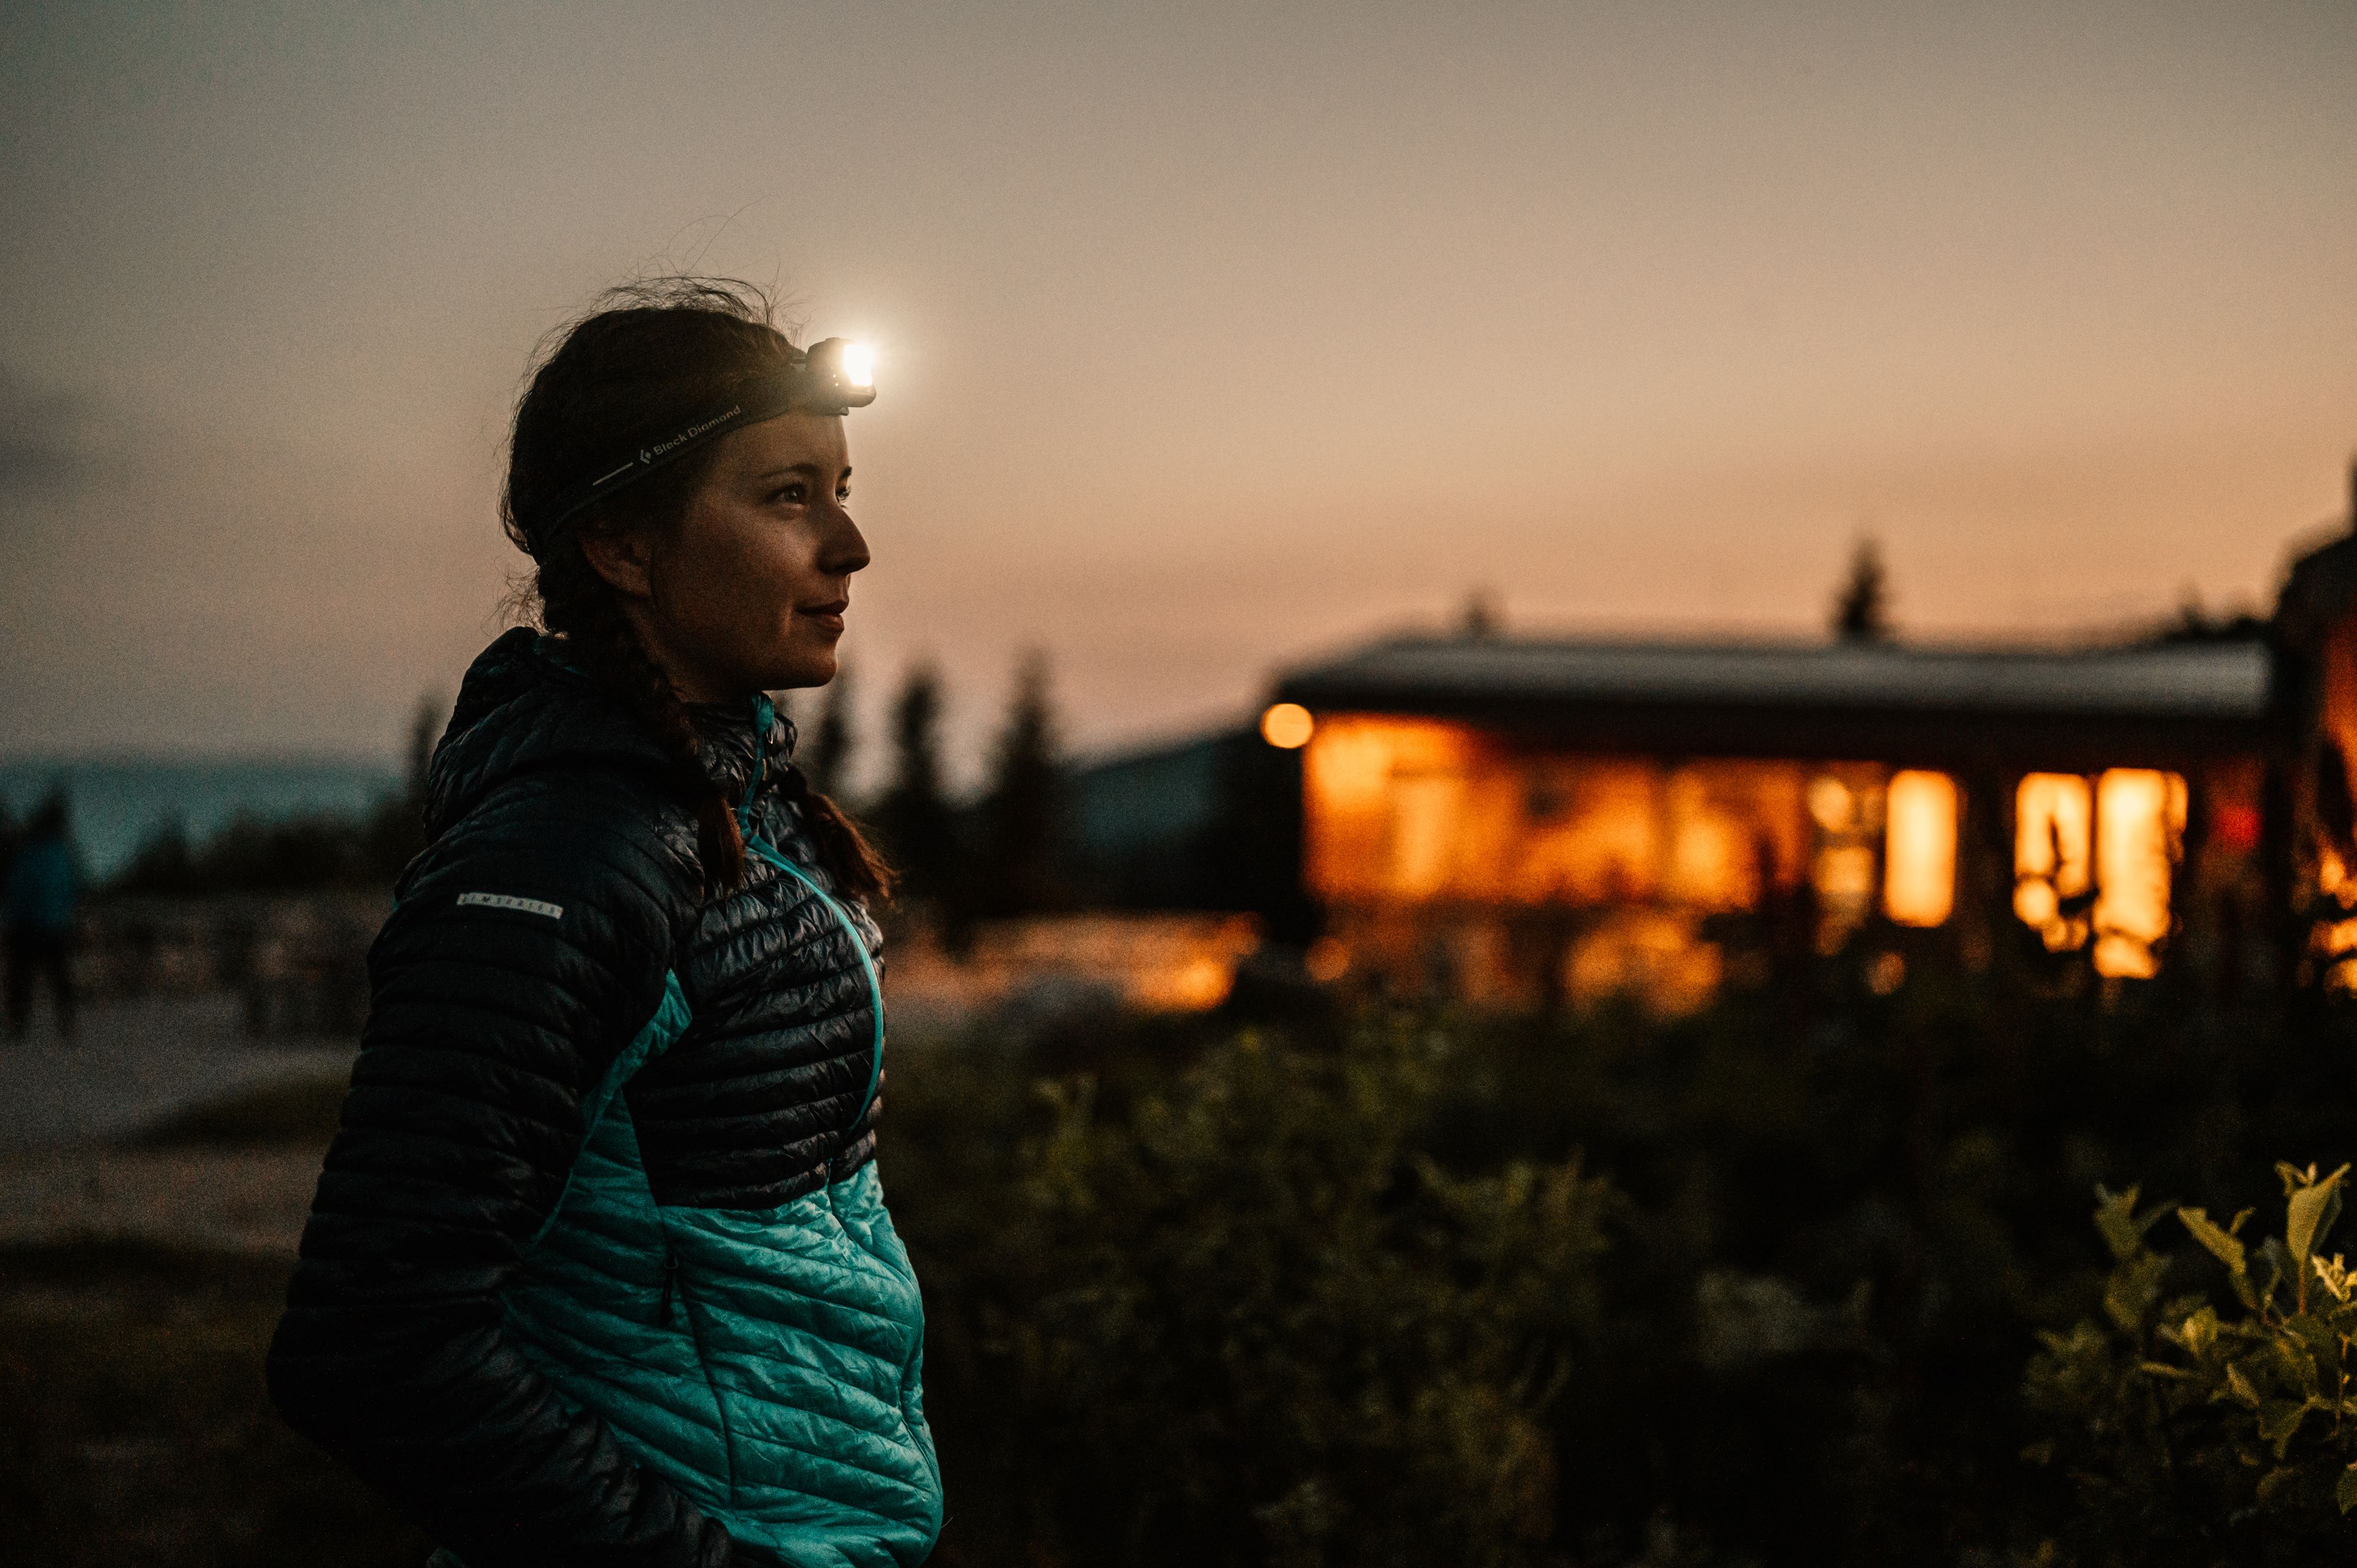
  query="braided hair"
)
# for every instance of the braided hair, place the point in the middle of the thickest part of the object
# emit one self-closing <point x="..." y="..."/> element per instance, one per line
<point x="647" y="355"/>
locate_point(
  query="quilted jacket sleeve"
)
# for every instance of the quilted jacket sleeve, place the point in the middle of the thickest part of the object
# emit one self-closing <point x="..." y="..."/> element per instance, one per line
<point x="490" y="1024"/>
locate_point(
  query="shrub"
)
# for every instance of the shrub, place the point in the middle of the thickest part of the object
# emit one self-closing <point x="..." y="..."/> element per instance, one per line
<point x="1245" y="1320"/>
<point x="2196" y="1434"/>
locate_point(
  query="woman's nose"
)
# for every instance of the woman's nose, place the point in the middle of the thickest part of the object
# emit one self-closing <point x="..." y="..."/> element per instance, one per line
<point x="846" y="549"/>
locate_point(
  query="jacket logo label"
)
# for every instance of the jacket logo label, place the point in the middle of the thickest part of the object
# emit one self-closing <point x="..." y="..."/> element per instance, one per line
<point x="503" y="901"/>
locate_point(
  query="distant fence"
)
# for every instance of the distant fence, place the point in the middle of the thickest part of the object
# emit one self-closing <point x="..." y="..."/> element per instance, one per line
<point x="299" y="962"/>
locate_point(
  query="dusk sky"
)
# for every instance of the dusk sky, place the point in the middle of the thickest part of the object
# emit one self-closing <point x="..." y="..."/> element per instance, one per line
<point x="1211" y="336"/>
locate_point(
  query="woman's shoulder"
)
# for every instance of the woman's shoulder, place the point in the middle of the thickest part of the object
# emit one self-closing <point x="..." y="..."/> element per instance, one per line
<point x="596" y="828"/>
<point x="539" y="773"/>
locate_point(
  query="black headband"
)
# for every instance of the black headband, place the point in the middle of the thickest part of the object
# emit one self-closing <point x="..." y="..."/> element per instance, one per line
<point x="819" y="379"/>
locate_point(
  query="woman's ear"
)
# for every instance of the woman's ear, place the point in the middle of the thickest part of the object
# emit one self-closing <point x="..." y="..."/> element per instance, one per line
<point x="620" y="557"/>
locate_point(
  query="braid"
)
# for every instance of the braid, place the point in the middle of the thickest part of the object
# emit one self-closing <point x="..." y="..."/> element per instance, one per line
<point x="842" y="847"/>
<point x="576" y="603"/>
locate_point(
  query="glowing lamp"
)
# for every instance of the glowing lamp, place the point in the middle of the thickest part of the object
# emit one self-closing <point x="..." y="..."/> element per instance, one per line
<point x="1286" y="725"/>
<point x="836" y="376"/>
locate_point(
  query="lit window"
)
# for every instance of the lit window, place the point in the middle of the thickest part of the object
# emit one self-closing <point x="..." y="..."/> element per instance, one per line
<point x="1846" y="802"/>
<point x="2139" y="818"/>
<point x="1426" y="813"/>
<point x="1713" y="860"/>
<point x="2096" y="861"/>
<point x="1918" y="880"/>
<point x="2053" y="864"/>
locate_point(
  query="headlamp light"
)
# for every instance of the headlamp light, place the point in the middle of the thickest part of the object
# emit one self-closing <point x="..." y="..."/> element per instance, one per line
<point x="836" y="376"/>
<point x="833" y="376"/>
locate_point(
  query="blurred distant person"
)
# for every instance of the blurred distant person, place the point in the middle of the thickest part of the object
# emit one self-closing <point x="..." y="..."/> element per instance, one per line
<point x="43" y="895"/>
<point x="600" y="1270"/>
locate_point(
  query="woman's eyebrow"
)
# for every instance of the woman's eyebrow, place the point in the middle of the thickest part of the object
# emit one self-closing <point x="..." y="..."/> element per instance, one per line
<point x="807" y="470"/>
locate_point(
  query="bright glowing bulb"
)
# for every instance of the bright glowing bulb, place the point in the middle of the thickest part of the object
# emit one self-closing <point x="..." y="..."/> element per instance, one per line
<point x="1286" y="725"/>
<point x="859" y="364"/>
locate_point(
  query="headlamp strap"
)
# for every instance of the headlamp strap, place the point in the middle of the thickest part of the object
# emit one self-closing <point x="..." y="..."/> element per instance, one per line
<point x="762" y="402"/>
<point x="818" y="377"/>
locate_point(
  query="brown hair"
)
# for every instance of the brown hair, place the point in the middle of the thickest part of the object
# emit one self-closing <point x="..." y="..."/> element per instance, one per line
<point x="647" y="358"/>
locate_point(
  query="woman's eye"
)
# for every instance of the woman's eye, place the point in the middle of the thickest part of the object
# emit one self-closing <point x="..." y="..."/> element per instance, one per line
<point x="794" y="494"/>
<point x="843" y="496"/>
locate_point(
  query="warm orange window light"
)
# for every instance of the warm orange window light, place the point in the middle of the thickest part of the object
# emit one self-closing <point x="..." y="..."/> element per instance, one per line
<point x="1918" y="861"/>
<point x="1287" y="726"/>
<point x="2053" y="815"/>
<point x="2139" y="818"/>
<point x="1381" y="795"/>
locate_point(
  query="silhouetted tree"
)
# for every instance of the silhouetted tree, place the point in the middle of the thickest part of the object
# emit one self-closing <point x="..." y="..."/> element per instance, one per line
<point x="1480" y="616"/>
<point x="914" y="818"/>
<point x="396" y="829"/>
<point x="827" y="761"/>
<point x="425" y="733"/>
<point x="2194" y="623"/>
<point x="1023" y="815"/>
<point x="165" y="862"/>
<point x="1862" y="607"/>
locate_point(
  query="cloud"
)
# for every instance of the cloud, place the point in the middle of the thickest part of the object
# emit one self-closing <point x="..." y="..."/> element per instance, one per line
<point x="44" y="437"/>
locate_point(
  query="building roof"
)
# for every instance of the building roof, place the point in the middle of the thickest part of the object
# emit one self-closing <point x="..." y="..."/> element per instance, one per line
<point x="2162" y="700"/>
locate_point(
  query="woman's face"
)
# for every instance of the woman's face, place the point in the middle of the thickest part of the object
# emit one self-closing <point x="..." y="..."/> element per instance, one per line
<point x="747" y="593"/>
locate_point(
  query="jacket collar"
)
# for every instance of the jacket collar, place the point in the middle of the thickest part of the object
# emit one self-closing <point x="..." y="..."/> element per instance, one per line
<point x="523" y="705"/>
<point x="744" y="746"/>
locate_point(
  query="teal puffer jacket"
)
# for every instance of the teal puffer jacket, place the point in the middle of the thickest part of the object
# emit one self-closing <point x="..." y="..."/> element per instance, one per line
<point x="600" y="1270"/>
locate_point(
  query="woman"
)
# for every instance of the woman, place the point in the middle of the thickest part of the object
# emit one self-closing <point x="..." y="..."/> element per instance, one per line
<point x="599" y="1271"/>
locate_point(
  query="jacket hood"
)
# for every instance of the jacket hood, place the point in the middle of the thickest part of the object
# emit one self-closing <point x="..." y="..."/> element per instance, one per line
<point x="522" y="707"/>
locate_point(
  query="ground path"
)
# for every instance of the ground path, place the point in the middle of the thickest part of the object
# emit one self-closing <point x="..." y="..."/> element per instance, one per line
<point x="66" y="1109"/>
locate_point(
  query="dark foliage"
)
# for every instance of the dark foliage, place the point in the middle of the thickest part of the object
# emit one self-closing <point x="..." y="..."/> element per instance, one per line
<point x="296" y="854"/>
<point x="914" y="818"/>
<point x="1022" y="826"/>
<point x="1838" y="1223"/>
<point x="825" y="756"/>
<point x="133" y="1427"/>
<point x="1756" y="1287"/>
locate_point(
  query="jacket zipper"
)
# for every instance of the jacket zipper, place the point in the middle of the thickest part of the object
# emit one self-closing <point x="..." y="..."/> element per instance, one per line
<point x="670" y="1286"/>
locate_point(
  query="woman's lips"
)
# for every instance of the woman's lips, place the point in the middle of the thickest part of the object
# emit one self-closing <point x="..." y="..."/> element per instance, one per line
<point x="828" y="615"/>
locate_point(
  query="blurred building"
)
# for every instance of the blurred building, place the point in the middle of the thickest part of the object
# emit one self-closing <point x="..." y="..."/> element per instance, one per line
<point x="1528" y="821"/>
<point x="1524" y="820"/>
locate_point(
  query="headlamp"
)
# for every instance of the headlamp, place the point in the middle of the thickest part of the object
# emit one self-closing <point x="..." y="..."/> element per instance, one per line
<point x="833" y="376"/>
<point x="837" y="376"/>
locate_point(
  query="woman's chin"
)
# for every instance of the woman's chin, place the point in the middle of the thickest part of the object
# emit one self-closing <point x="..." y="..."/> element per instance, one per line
<point x="806" y="669"/>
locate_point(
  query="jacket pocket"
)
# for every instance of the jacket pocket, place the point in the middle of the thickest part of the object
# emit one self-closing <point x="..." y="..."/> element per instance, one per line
<point x="809" y="1335"/>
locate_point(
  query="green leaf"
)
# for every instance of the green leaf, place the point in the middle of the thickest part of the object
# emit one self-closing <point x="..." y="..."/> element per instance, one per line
<point x="2278" y="1419"/>
<point x="2240" y="1387"/>
<point x="2345" y="1493"/>
<point x="2221" y="1243"/>
<point x="2130" y="1292"/>
<point x="2222" y="1246"/>
<point x="2312" y="1209"/>
<point x="2116" y="1217"/>
<point x="2294" y="1362"/>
